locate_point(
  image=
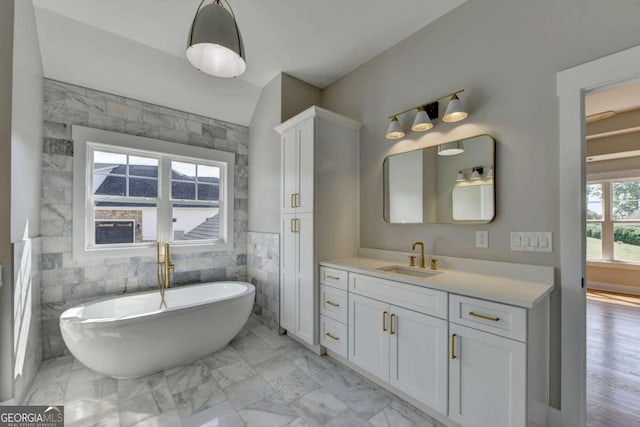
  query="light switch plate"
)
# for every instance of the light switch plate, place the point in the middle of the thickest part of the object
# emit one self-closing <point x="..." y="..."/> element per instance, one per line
<point x="482" y="239"/>
<point x="531" y="241"/>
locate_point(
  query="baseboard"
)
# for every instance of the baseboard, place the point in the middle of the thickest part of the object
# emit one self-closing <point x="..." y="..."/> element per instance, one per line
<point x="612" y="287"/>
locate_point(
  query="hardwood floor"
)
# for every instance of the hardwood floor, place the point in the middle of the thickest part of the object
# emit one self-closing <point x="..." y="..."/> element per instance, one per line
<point x="613" y="360"/>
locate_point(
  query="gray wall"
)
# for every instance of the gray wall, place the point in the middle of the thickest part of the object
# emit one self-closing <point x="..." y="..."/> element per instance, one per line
<point x="66" y="282"/>
<point x="6" y="67"/>
<point x="297" y="96"/>
<point x="506" y="56"/>
<point x="264" y="150"/>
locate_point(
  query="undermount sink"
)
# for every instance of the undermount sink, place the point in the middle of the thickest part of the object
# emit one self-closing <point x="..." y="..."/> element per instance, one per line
<point x="408" y="271"/>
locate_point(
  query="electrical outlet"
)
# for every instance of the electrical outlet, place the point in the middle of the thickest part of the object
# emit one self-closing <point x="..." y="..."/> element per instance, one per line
<point x="482" y="239"/>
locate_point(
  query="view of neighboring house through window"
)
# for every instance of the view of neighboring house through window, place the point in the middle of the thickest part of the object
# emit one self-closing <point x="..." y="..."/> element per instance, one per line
<point x="613" y="220"/>
<point x="127" y="194"/>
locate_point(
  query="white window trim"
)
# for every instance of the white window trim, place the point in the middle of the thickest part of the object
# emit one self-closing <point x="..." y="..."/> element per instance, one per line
<point x="83" y="137"/>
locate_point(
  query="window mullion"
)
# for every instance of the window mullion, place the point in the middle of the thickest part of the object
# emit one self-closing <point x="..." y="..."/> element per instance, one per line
<point x="607" y="224"/>
<point x="164" y="202"/>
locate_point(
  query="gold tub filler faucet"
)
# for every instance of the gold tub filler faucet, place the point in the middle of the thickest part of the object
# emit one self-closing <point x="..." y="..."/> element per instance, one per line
<point x="165" y="267"/>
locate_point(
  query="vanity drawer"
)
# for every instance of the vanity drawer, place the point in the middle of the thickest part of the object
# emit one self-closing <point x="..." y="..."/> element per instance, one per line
<point x="333" y="303"/>
<point x="333" y="277"/>
<point x="416" y="298"/>
<point x="500" y="319"/>
<point x="333" y="335"/>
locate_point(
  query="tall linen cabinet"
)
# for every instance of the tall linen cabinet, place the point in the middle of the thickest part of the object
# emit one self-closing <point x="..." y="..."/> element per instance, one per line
<point x="319" y="205"/>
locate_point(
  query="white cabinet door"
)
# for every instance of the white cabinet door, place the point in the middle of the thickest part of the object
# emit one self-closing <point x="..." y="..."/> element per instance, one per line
<point x="306" y="146"/>
<point x="369" y="335"/>
<point x="307" y="310"/>
<point x="288" y="272"/>
<point x="487" y="379"/>
<point x="418" y="356"/>
<point x="289" y="169"/>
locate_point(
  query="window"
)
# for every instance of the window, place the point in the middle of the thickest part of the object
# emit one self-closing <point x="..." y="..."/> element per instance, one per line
<point x="613" y="220"/>
<point x="130" y="192"/>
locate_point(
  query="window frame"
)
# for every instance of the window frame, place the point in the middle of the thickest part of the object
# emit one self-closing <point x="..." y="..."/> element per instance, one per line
<point x="608" y="222"/>
<point x="87" y="140"/>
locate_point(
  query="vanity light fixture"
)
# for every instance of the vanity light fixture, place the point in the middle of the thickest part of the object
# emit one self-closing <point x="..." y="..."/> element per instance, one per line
<point x="422" y="122"/>
<point x="454" y="111"/>
<point x="490" y="173"/>
<point x="426" y="113"/>
<point x="451" y="149"/>
<point x="394" y="131"/>
<point x="460" y="177"/>
<point x="215" y="45"/>
<point x="477" y="173"/>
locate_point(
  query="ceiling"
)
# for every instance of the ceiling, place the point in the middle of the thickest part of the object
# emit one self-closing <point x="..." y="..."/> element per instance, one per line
<point x="136" y="48"/>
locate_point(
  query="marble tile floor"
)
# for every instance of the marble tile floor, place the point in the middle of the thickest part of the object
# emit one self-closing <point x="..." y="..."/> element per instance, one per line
<point x="261" y="379"/>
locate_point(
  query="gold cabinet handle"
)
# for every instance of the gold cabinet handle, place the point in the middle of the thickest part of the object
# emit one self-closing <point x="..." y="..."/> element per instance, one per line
<point x="297" y="200"/>
<point x="297" y="225"/>
<point x="333" y="337"/>
<point x="332" y="277"/>
<point x="453" y="346"/>
<point x="384" y="321"/>
<point x="293" y="227"/>
<point x="391" y="331"/>
<point x="482" y="316"/>
<point x="332" y="303"/>
<point x="293" y="200"/>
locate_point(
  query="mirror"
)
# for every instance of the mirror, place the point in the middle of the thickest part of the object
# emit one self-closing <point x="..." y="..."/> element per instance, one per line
<point x="451" y="183"/>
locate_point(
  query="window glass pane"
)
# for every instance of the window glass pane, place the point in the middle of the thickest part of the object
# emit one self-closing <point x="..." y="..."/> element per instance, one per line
<point x="624" y="200"/>
<point x="183" y="171"/>
<point x="208" y="192"/>
<point x="143" y="166"/>
<point x="208" y="174"/>
<point x="109" y="185"/>
<point x="183" y="190"/>
<point x="109" y="163"/>
<point x="594" y="241"/>
<point x="143" y="187"/>
<point x="195" y="222"/>
<point x="626" y="245"/>
<point x="119" y="222"/>
<point x="594" y="202"/>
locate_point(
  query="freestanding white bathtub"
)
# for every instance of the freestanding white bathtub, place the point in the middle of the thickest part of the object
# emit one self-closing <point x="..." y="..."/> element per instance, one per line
<point x="130" y="336"/>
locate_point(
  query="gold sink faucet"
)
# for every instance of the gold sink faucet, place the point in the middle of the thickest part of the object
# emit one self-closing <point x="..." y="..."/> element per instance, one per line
<point x="165" y="267"/>
<point x="421" y="252"/>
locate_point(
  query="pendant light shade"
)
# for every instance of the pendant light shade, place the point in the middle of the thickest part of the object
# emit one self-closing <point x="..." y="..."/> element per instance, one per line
<point x="451" y="149"/>
<point x="394" y="131"/>
<point x="454" y="112"/>
<point x="215" y="44"/>
<point x="422" y="122"/>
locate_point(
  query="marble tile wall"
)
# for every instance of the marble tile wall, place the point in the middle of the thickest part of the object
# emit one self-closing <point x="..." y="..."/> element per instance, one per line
<point x="263" y="267"/>
<point x="27" y="314"/>
<point x="66" y="282"/>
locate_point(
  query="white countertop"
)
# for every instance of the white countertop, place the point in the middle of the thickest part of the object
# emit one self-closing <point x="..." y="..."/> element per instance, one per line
<point x="522" y="293"/>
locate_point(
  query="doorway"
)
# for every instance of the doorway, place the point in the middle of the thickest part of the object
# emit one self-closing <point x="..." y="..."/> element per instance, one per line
<point x="612" y="241"/>
<point x="572" y="84"/>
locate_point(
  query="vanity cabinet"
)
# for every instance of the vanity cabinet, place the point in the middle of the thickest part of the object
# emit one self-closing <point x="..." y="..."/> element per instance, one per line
<point x="402" y="347"/>
<point x="318" y="206"/>
<point x="488" y="363"/>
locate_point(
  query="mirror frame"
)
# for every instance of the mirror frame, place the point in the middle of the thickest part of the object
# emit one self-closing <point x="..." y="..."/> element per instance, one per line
<point x="385" y="186"/>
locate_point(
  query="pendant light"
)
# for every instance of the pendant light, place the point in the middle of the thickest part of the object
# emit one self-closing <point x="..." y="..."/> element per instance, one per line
<point x="422" y="122"/>
<point x="215" y="44"/>
<point x="454" y="111"/>
<point x="394" y="131"/>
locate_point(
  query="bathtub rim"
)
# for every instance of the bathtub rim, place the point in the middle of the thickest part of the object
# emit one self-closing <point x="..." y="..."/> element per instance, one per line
<point x="77" y="321"/>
